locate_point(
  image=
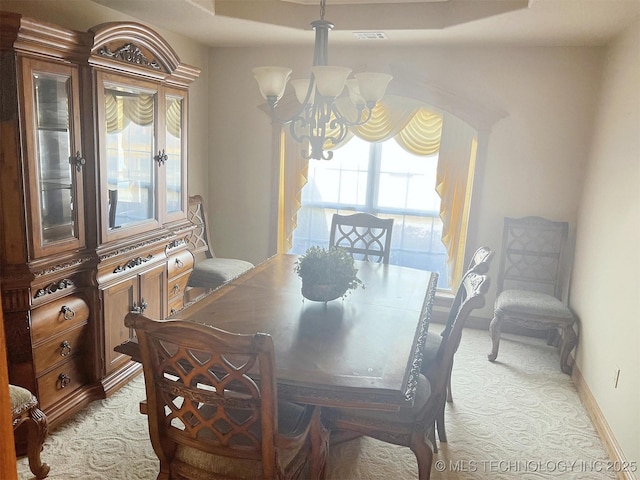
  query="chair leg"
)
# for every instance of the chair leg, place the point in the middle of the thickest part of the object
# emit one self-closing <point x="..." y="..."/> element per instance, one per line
<point x="37" y="432"/>
<point x="442" y="432"/>
<point x="568" y="342"/>
<point x="494" y="330"/>
<point x="319" y="446"/>
<point x="432" y="439"/>
<point x="449" y="395"/>
<point x="423" y="450"/>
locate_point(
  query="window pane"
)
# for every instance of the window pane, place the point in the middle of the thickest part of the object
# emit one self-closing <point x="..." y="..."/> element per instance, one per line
<point x="173" y="166"/>
<point x="407" y="181"/>
<point x="130" y="147"/>
<point x="401" y="186"/>
<point x="342" y="180"/>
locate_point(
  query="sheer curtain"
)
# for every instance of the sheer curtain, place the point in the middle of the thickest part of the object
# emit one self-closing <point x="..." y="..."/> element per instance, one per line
<point x="420" y="130"/>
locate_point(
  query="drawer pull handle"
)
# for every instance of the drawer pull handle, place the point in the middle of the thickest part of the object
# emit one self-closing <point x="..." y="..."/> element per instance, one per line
<point x="64" y="380"/>
<point x="176" y="288"/>
<point x="141" y="308"/>
<point x="65" y="349"/>
<point x="67" y="312"/>
<point x="179" y="263"/>
<point x="173" y="310"/>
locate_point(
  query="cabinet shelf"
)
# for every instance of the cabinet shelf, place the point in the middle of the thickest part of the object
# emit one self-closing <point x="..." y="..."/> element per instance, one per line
<point x="49" y="186"/>
<point x="44" y="128"/>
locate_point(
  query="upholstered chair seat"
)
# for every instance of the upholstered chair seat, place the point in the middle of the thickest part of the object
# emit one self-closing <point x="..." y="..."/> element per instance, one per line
<point x="213" y="272"/>
<point x="209" y="270"/>
<point x="431" y="347"/>
<point x="525" y="302"/>
<point x="24" y="408"/>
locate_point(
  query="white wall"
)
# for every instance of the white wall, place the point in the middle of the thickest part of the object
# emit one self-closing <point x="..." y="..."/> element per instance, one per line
<point x="606" y="286"/>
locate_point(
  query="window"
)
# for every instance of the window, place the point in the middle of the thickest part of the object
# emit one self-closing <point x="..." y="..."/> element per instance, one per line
<point x="382" y="179"/>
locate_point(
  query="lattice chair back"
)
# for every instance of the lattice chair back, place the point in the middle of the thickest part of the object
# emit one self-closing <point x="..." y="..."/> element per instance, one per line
<point x="199" y="239"/>
<point x="365" y="236"/>
<point x="532" y="255"/>
<point x="200" y="395"/>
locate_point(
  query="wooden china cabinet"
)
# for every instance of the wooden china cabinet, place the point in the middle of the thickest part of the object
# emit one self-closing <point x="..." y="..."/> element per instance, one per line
<point x="93" y="200"/>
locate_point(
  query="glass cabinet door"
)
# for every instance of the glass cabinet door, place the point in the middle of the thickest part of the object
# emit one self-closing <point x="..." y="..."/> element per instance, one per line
<point x="129" y="142"/>
<point x="57" y="161"/>
<point x="175" y="174"/>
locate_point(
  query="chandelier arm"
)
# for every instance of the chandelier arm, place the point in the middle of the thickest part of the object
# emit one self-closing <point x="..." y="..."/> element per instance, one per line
<point x="342" y="132"/>
<point x="357" y="123"/>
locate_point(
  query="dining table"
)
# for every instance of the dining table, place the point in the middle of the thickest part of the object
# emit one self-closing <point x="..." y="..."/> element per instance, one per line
<point x="359" y="351"/>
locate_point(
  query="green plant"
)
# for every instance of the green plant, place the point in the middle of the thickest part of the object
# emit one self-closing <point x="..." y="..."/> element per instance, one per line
<point x="333" y="267"/>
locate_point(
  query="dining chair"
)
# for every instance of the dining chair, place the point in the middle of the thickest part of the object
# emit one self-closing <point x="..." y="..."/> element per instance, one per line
<point x="209" y="271"/>
<point x="479" y="264"/>
<point x="208" y="415"/>
<point x="25" y="410"/>
<point x="531" y="283"/>
<point x="365" y="236"/>
<point x="412" y="426"/>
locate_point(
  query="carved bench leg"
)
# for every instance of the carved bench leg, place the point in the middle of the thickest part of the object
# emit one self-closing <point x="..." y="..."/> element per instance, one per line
<point x="38" y="430"/>
<point x="569" y="341"/>
<point x="494" y="330"/>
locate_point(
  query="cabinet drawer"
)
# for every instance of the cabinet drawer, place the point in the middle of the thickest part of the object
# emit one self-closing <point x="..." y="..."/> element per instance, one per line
<point x="176" y="305"/>
<point x="59" y="349"/>
<point x="177" y="286"/>
<point x="61" y="381"/>
<point x="180" y="263"/>
<point x="55" y="317"/>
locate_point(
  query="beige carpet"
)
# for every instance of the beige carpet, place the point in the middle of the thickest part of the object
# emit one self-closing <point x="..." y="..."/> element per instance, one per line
<point x="516" y="418"/>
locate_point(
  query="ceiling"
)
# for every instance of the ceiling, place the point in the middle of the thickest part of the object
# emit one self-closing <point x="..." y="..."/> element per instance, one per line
<point x="403" y="22"/>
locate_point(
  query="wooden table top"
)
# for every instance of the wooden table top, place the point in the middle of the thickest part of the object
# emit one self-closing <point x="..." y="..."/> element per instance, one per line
<point x="359" y="351"/>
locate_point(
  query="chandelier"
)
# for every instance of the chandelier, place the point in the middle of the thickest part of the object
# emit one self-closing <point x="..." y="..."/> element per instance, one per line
<point x="319" y="121"/>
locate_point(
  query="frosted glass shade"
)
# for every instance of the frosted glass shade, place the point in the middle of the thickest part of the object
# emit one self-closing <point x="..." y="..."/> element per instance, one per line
<point x="372" y="85"/>
<point x="354" y="92"/>
<point x="301" y="86"/>
<point x="271" y="80"/>
<point x="330" y="80"/>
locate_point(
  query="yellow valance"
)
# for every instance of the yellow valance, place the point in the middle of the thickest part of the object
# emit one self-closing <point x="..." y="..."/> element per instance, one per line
<point x="416" y="128"/>
<point x="139" y="109"/>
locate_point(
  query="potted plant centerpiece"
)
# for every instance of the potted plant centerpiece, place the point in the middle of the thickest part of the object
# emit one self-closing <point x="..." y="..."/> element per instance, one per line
<point x="327" y="274"/>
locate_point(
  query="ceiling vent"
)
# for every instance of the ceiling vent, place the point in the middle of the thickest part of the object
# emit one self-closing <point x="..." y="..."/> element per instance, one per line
<point x="370" y="35"/>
